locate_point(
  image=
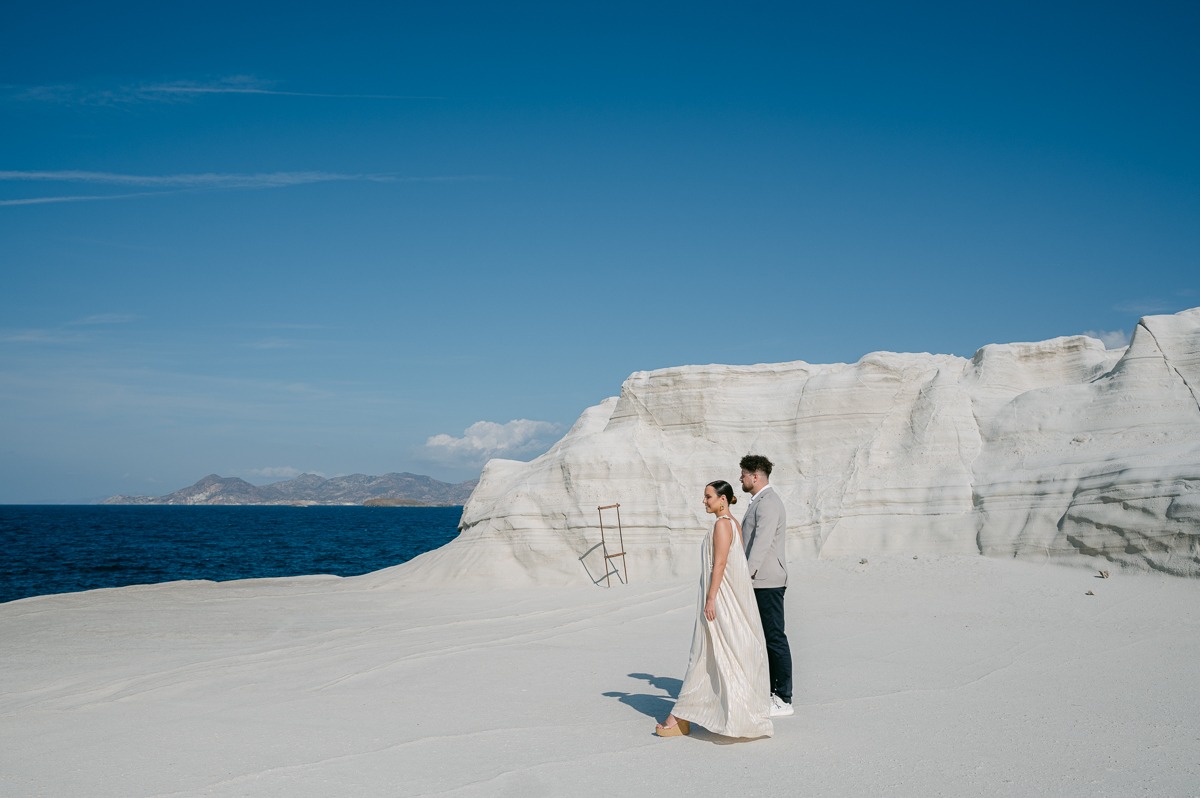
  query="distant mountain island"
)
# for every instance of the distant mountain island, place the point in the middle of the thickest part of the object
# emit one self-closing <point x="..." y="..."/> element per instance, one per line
<point x="389" y="490"/>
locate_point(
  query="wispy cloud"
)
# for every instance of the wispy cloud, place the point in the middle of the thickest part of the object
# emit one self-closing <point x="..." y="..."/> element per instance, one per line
<point x="182" y="91"/>
<point x="1112" y="339"/>
<point x="282" y="325"/>
<point x="67" y="332"/>
<point x="248" y="85"/>
<point x="165" y="185"/>
<point x="104" y="318"/>
<point x="484" y="440"/>
<point x="78" y="198"/>
<point x="272" y="343"/>
<point x="37" y="336"/>
<point x="195" y="179"/>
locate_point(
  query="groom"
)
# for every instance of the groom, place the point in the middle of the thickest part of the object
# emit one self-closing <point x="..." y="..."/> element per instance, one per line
<point x="764" y="530"/>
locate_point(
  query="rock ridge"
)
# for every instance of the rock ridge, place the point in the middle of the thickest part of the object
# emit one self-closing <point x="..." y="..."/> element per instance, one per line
<point x="1054" y="449"/>
<point x="403" y="489"/>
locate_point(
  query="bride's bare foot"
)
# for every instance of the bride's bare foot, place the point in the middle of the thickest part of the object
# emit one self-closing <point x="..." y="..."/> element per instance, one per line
<point x="669" y="722"/>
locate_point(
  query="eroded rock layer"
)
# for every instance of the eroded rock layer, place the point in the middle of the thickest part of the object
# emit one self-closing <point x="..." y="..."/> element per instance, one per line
<point x="1048" y="449"/>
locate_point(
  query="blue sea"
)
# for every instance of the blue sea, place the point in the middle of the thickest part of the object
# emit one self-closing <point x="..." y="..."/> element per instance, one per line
<point x="65" y="548"/>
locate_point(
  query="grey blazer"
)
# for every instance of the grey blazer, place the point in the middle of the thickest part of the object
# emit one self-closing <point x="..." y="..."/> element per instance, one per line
<point x="765" y="531"/>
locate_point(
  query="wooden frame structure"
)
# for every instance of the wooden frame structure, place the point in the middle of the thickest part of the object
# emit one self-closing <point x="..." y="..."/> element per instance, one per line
<point x="608" y="572"/>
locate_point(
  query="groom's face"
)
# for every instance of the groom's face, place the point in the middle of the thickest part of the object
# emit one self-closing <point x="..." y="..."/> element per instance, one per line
<point x="748" y="480"/>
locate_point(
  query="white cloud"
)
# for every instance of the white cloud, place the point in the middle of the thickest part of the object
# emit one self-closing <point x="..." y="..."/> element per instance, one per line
<point x="484" y="440"/>
<point x="64" y="333"/>
<point x="104" y="318"/>
<point x="1112" y="339"/>
<point x="179" y="91"/>
<point x="39" y="337"/>
<point x="190" y="180"/>
<point x="272" y="343"/>
<point x="77" y="198"/>
<point x="244" y="85"/>
<point x="285" y="326"/>
<point x="169" y="184"/>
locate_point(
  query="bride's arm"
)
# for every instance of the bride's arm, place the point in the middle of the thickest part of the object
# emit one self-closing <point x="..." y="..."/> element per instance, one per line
<point x="722" y="538"/>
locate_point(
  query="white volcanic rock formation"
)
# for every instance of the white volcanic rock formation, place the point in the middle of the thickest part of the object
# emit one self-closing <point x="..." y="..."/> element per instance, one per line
<point x="1049" y="449"/>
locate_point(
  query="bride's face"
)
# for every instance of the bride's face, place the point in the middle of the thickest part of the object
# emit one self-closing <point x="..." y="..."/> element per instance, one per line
<point x="712" y="503"/>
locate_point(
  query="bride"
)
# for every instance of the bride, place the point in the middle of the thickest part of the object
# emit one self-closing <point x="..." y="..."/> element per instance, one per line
<point x="726" y="689"/>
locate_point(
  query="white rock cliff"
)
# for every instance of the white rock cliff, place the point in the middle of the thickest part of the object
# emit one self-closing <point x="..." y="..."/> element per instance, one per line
<point x="1046" y="450"/>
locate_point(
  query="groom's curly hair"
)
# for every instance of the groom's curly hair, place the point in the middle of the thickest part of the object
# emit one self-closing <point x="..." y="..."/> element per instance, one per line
<point x="756" y="462"/>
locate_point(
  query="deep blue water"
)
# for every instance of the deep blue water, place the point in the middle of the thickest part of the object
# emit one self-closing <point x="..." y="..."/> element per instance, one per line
<point x="65" y="548"/>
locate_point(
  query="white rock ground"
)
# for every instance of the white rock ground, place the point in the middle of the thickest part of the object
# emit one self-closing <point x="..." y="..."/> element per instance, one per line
<point x="937" y="676"/>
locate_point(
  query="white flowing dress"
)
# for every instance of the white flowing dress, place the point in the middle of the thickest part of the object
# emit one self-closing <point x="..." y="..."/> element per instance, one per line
<point x="727" y="689"/>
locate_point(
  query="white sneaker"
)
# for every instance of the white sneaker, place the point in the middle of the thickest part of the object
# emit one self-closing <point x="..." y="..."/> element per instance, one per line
<point x="780" y="708"/>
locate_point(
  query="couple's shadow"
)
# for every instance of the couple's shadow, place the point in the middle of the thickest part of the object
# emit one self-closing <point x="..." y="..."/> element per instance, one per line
<point x="655" y="706"/>
<point x="659" y="706"/>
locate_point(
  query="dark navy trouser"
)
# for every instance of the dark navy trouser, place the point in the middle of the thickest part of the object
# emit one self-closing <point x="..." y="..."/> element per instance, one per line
<point x="779" y="654"/>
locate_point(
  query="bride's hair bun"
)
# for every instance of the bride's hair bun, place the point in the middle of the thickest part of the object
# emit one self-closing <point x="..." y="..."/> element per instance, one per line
<point x="723" y="488"/>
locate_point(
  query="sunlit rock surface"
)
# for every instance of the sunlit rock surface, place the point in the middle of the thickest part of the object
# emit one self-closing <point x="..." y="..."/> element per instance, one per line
<point x="1049" y="449"/>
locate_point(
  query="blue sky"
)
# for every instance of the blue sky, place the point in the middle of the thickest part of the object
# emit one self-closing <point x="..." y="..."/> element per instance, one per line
<point x="257" y="239"/>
